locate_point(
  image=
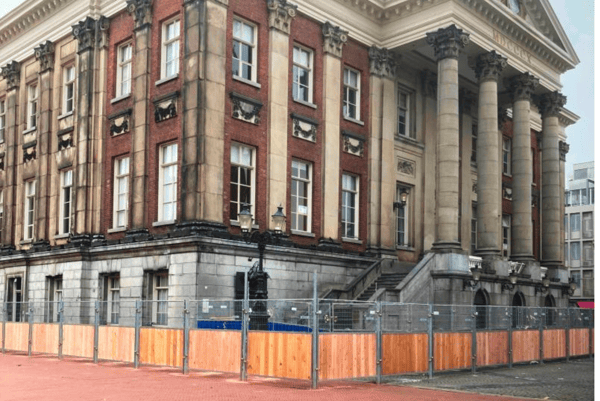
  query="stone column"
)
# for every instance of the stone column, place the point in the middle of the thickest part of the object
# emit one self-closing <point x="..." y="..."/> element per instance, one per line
<point x="12" y="74"/>
<point x="447" y="43"/>
<point x="429" y="88"/>
<point x="552" y="210"/>
<point x="334" y="39"/>
<point x="522" y="87"/>
<point x="280" y="18"/>
<point x="563" y="149"/>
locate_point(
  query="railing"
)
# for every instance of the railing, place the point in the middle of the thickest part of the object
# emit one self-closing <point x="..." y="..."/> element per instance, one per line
<point x="359" y="284"/>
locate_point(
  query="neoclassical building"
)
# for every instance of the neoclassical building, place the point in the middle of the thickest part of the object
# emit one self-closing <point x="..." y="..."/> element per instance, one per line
<point x="406" y="142"/>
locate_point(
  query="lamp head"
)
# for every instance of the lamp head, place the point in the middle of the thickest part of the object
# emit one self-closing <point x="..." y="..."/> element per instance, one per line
<point x="245" y="218"/>
<point x="279" y="220"/>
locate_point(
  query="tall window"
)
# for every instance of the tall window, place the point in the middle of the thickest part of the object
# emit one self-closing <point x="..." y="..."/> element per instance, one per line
<point x="588" y="283"/>
<point x="351" y="94"/>
<point x="2" y="119"/>
<point x="244" y="50"/>
<point x="474" y="129"/>
<point x="54" y="294"/>
<point x="32" y="106"/>
<point x="301" y="195"/>
<point x="66" y="186"/>
<point x="1" y="213"/>
<point x="403" y="113"/>
<point x="506" y="235"/>
<point x="170" y="49"/>
<point x="401" y="217"/>
<point x="302" y="74"/>
<point x="111" y="298"/>
<point x="588" y="225"/>
<point x="14" y="299"/>
<point x="506" y="156"/>
<point x="575" y="226"/>
<point x="167" y="207"/>
<point x="588" y="253"/>
<point x="350" y="187"/>
<point x="242" y="179"/>
<point x="69" y="89"/>
<point x="473" y="228"/>
<point x="575" y="253"/>
<point x="156" y="294"/>
<point x="29" y="210"/>
<point x="121" y="193"/>
<point x="124" y="70"/>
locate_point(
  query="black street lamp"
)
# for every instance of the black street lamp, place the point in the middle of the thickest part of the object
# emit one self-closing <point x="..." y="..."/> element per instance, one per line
<point x="257" y="277"/>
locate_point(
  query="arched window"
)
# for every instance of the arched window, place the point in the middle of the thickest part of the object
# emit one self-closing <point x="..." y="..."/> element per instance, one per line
<point x="550" y="305"/>
<point x="518" y="313"/>
<point x="481" y="301"/>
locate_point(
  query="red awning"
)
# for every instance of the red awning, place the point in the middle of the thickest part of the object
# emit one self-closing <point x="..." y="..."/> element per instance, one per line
<point x="585" y="305"/>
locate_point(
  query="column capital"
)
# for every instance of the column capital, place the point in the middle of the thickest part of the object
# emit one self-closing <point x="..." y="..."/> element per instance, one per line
<point x="44" y="53"/>
<point x="447" y="42"/>
<point x="488" y="66"/>
<point x="563" y="149"/>
<point x="429" y="83"/>
<point x="141" y="11"/>
<point x="12" y="73"/>
<point x="281" y="13"/>
<point x="334" y="39"/>
<point x="552" y="103"/>
<point x="91" y="33"/>
<point x="383" y="62"/>
<point x="522" y="86"/>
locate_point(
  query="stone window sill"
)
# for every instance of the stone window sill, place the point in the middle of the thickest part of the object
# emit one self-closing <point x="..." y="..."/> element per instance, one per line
<point x="405" y="248"/>
<point x="166" y="79"/>
<point x="118" y="99"/>
<point x="352" y="240"/>
<point x="116" y="230"/>
<point x="247" y="81"/>
<point x="69" y="114"/>
<point x="308" y="104"/>
<point x="353" y="120"/>
<point x="507" y="175"/>
<point x="29" y="130"/>
<point x="164" y="223"/>
<point x="302" y="233"/>
<point x="62" y="236"/>
<point x="26" y="242"/>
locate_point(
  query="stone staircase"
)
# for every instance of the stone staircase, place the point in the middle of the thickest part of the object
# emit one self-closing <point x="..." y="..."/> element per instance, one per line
<point x="389" y="281"/>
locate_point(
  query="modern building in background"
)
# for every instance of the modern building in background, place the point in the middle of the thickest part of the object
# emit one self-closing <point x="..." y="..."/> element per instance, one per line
<point x="579" y="232"/>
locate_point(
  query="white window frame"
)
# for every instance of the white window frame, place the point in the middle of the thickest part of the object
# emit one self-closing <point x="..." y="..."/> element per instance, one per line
<point x="587" y="225"/>
<point x="297" y="65"/>
<point x="29" y="210"/>
<point x="32" y="105"/>
<point x="354" y="193"/>
<point x="55" y="295"/>
<point x="166" y="43"/>
<point x="506" y="156"/>
<point x="402" y="222"/>
<point x="506" y="233"/>
<point x="297" y="180"/>
<point x="68" y="86"/>
<point x="124" y="65"/>
<point x="160" y="307"/>
<point x="163" y="168"/>
<point x="2" y="119"/>
<point x="14" y="298"/>
<point x="121" y="176"/>
<point x="112" y="298"/>
<point x="575" y="225"/>
<point x="407" y="110"/>
<point x="240" y="165"/>
<point x="347" y="88"/>
<point x="66" y="201"/>
<point x="254" y="45"/>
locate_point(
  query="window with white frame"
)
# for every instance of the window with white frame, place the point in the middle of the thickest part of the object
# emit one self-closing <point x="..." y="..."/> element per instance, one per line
<point x="124" y="53"/>
<point x="302" y="74"/>
<point x="350" y="202"/>
<point x="2" y="119"/>
<point x="244" y="50"/>
<point x="506" y="147"/>
<point x="32" y="106"/>
<point x="170" y="49"/>
<point x="111" y="298"/>
<point x="473" y="228"/>
<point x="404" y="113"/>
<point x="242" y="179"/>
<point x="69" y="89"/>
<point x="167" y="185"/>
<point x="156" y="295"/>
<point x="14" y="299"/>
<point x="401" y="216"/>
<point x="66" y="190"/>
<point x="588" y="283"/>
<point x="575" y="226"/>
<point x="29" y="210"/>
<point x="588" y="253"/>
<point x="506" y="235"/>
<point x="301" y="195"/>
<point x="121" y="193"/>
<point x="54" y="294"/>
<point x="575" y="253"/>
<point x="351" y="106"/>
<point x="588" y="225"/>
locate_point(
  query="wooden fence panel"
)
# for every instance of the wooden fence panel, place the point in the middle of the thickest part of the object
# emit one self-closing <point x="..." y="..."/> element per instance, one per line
<point x="452" y="351"/>
<point x="346" y="355"/>
<point x="404" y="353"/>
<point x="78" y="340"/>
<point x="279" y="354"/>
<point x="492" y="348"/>
<point x="526" y="345"/>
<point x="216" y="350"/>
<point x="554" y="344"/>
<point x="116" y="343"/>
<point x="579" y="339"/>
<point x="161" y="346"/>
<point x="45" y="338"/>
<point x="17" y="336"/>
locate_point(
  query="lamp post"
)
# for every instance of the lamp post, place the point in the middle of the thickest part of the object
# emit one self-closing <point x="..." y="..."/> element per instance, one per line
<point x="257" y="277"/>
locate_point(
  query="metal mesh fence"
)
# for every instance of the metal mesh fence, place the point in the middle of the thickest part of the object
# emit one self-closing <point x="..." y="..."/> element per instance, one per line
<point x="457" y="318"/>
<point x="408" y="318"/>
<point x="348" y="316"/>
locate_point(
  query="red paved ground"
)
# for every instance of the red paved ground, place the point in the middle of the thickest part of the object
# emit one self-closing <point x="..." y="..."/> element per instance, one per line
<point x="46" y="378"/>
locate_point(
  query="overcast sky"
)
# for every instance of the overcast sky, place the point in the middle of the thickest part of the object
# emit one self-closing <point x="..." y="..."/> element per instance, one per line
<point x="577" y="19"/>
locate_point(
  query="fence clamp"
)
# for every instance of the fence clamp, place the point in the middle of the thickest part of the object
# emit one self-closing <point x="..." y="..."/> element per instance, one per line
<point x="328" y="319"/>
<point x="379" y="361"/>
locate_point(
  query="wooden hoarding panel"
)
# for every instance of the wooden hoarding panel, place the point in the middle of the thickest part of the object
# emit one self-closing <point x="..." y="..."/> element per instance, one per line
<point x="554" y="344"/>
<point x="17" y="336"/>
<point x="452" y="351"/>
<point x="216" y="350"/>
<point x="346" y="355"/>
<point x="116" y="343"/>
<point x="492" y="348"/>
<point x="161" y="346"/>
<point x="526" y="345"/>
<point x="404" y="353"/>
<point x="579" y="339"/>
<point x="45" y="338"/>
<point x="279" y="354"/>
<point x="78" y="340"/>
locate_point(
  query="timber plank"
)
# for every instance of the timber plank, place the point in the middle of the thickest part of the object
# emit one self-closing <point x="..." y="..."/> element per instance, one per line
<point x="404" y="353"/>
<point x="526" y="345"/>
<point x="347" y="355"/>
<point x="116" y="343"/>
<point x="452" y="351"/>
<point x="554" y="344"/>
<point x="579" y="342"/>
<point x="78" y="340"/>
<point x="285" y="355"/>
<point x="17" y="336"/>
<point x="215" y="350"/>
<point x="45" y="338"/>
<point x="161" y="346"/>
<point x="492" y="348"/>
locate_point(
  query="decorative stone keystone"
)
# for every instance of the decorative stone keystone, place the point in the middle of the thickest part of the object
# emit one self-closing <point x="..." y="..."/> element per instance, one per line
<point x="447" y="42"/>
<point x="563" y="148"/>
<point x="141" y="11"/>
<point x="12" y="74"/>
<point x="280" y="14"/>
<point x="489" y="66"/>
<point x="91" y="33"/>
<point x="522" y="86"/>
<point x="383" y="63"/>
<point x="44" y="53"/>
<point x="552" y="103"/>
<point x="334" y="38"/>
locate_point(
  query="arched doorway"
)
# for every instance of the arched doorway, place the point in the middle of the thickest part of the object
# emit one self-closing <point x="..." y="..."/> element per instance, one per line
<point x="481" y="301"/>
<point x="550" y="304"/>
<point x="518" y="314"/>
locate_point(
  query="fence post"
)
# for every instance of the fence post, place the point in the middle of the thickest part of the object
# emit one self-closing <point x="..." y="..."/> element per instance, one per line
<point x="590" y="328"/>
<point x="30" y="320"/>
<point x="568" y="335"/>
<point x="245" y="311"/>
<point x="542" y="320"/>
<point x="379" y="329"/>
<point x="474" y="340"/>
<point x="96" y="328"/>
<point x="430" y="340"/>
<point x="315" y="337"/>
<point x="61" y="320"/>
<point x="4" y="328"/>
<point x="510" y="330"/>
<point x="186" y="336"/>
<point x="138" y="313"/>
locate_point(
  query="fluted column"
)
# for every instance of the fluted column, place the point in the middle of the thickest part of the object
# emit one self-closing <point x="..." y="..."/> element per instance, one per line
<point x="447" y="43"/>
<point x="552" y="210"/>
<point x="522" y="87"/>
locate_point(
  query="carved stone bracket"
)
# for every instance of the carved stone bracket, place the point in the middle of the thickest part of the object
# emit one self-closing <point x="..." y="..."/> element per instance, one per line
<point x="12" y="73"/>
<point x="468" y="100"/>
<point x="429" y="83"/>
<point x="551" y="104"/>
<point x="502" y="117"/>
<point x="506" y="191"/>
<point x="280" y="14"/>
<point x="447" y="42"/>
<point x="383" y="62"/>
<point x="44" y="54"/>
<point x="304" y="127"/>
<point x="245" y="108"/>
<point x="407" y="167"/>
<point x="563" y="149"/>
<point x="120" y="122"/>
<point x="353" y="143"/>
<point x="522" y="86"/>
<point x="65" y="138"/>
<point x="165" y="107"/>
<point x="334" y="39"/>
<point x="29" y="151"/>
<point x="141" y="10"/>
<point x="488" y="66"/>
<point x="91" y="33"/>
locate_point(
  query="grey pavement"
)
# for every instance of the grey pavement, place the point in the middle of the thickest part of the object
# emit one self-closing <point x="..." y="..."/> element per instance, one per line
<point x="563" y="381"/>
